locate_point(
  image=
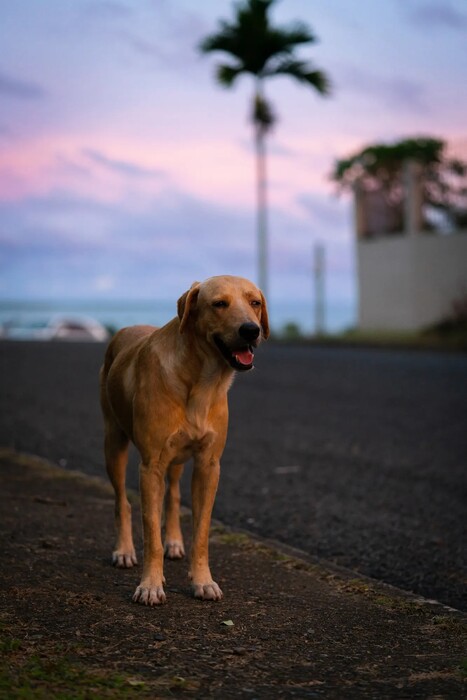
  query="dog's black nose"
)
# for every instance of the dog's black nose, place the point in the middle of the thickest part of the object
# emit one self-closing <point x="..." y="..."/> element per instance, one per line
<point x="249" y="331"/>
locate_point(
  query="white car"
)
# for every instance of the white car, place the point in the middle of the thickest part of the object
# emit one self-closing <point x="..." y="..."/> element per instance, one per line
<point x="77" y="328"/>
<point x="58" y="328"/>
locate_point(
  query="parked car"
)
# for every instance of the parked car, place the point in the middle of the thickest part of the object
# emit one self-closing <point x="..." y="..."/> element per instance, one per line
<point x="57" y="328"/>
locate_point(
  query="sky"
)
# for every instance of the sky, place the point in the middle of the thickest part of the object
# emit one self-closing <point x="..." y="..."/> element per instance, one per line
<point x="126" y="172"/>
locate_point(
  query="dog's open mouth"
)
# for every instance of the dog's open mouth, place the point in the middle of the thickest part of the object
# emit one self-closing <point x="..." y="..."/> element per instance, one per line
<point x="240" y="359"/>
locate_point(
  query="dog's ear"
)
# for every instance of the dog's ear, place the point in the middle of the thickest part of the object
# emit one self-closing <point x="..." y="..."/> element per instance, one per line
<point x="186" y="303"/>
<point x="264" y="317"/>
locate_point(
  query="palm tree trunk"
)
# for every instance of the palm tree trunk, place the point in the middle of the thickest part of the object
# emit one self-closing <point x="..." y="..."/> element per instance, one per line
<point x="261" y="193"/>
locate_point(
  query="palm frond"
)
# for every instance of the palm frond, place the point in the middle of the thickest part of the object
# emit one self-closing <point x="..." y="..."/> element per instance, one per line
<point x="253" y="40"/>
<point x="287" y="38"/>
<point x="262" y="114"/>
<point x="301" y="71"/>
<point x="227" y="74"/>
<point x="226" y="39"/>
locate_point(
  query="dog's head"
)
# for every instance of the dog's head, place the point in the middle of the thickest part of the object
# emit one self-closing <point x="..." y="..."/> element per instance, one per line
<point x="230" y="313"/>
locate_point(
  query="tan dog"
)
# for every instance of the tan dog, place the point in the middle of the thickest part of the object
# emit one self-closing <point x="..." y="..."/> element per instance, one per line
<point x="166" y="390"/>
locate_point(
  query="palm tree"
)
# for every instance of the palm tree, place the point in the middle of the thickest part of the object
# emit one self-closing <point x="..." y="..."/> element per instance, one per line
<point x="380" y="166"/>
<point x="264" y="51"/>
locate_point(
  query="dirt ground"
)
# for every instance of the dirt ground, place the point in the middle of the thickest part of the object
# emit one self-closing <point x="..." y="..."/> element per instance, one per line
<point x="285" y="628"/>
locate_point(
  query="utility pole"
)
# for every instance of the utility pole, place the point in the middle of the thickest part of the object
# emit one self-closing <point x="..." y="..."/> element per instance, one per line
<point x="262" y="222"/>
<point x="319" y="287"/>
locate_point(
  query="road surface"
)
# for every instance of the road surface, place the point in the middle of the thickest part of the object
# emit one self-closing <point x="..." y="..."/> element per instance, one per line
<point x="357" y="456"/>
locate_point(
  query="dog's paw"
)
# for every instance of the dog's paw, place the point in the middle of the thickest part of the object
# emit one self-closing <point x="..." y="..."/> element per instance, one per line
<point x="174" y="549"/>
<point x="149" y="595"/>
<point x="206" y="591"/>
<point x="124" y="560"/>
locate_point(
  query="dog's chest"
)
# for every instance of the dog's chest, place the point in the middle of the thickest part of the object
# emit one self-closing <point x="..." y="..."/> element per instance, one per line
<point x="187" y="442"/>
<point x="195" y="435"/>
<point x="196" y="430"/>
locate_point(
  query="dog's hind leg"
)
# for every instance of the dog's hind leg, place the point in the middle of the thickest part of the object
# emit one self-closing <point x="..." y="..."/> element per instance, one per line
<point x="116" y="458"/>
<point x="173" y="546"/>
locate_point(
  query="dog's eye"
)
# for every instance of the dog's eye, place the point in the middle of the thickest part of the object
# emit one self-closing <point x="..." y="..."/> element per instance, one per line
<point x="255" y="302"/>
<point x="220" y="304"/>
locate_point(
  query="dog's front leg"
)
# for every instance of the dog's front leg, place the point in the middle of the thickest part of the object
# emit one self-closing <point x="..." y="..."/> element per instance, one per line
<point x="150" y="590"/>
<point x="203" y="491"/>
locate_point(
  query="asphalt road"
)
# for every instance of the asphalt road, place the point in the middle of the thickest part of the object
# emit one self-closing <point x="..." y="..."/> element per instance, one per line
<point x="357" y="456"/>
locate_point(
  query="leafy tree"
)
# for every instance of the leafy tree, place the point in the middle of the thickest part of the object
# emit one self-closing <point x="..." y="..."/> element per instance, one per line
<point x="257" y="47"/>
<point x="380" y="167"/>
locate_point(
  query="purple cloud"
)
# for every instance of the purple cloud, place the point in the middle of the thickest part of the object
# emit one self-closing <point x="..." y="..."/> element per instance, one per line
<point x="175" y="48"/>
<point x="175" y="236"/>
<point x="397" y="92"/>
<point x="20" y="89"/>
<point x="107" y="9"/>
<point x="122" y="167"/>
<point x="438" y="14"/>
<point x="327" y="212"/>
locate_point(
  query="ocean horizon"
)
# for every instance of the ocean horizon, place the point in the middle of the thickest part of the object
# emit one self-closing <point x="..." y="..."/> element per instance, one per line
<point x="338" y="316"/>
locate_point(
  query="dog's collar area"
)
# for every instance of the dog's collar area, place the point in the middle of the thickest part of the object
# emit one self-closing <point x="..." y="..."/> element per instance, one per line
<point x="240" y="359"/>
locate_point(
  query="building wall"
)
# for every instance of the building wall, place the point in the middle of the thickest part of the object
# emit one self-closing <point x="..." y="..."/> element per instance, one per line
<point x="410" y="281"/>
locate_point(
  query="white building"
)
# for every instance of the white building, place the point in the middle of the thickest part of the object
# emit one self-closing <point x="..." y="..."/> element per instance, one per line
<point x="407" y="280"/>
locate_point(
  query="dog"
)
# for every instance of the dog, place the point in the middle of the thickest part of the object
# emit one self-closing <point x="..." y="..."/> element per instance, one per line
<point x="165" y="389"/>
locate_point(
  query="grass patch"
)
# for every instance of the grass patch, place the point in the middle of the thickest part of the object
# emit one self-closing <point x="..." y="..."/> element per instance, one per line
<point x="429" y="339"/>
<point x="395" y="603"/>
<point x="370" y="591"/>
<point x="449" y="623"/>
<point x="236" y="539"/>
<point x="38" y="677"/>
<point x="221" y="535"/>
<point x="51" y="675"/>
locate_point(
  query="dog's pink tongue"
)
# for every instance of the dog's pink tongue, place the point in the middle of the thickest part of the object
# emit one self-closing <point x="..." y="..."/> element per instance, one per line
<point x="245" y="357"/>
